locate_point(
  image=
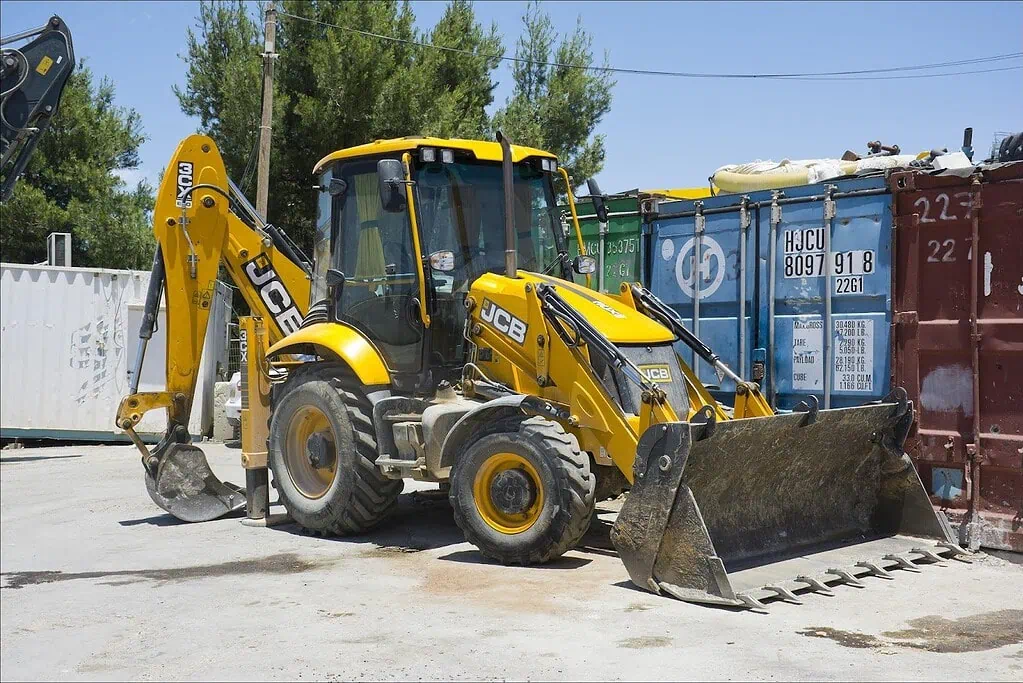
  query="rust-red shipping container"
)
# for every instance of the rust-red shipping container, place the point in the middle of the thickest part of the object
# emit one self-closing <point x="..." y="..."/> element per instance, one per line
<point x="958" y="343"/>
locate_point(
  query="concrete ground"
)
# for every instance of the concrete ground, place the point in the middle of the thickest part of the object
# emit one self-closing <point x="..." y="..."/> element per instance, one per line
<point x="99" y="584"/>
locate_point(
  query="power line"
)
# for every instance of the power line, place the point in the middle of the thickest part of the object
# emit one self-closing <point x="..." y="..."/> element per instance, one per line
<point x="892" y="78"/>
<point x="817" y="76"/>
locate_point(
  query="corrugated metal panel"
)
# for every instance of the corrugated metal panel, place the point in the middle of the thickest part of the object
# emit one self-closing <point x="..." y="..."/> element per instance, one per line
<point x="68" y="343"/>
<point x="791" y="351"/>
<point x="959" y="343"/>
<point x="854" y="367"/>
<point x="698" y="247"/>
<point x="624" y="244"/>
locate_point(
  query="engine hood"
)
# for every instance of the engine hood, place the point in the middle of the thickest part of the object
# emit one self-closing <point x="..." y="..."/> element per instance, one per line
<point x="620" y="323"/>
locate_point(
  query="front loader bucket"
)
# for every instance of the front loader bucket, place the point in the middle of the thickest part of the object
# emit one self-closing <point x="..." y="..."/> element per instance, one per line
<point x="186" y="487"/>
<point x="742" y="511"/>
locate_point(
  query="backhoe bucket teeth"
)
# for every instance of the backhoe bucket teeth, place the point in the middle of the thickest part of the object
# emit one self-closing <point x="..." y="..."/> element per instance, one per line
<point x="744" y="511"/>
<point x="186" y="487"/>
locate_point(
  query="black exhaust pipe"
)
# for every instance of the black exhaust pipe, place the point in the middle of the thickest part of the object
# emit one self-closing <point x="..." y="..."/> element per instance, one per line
<point x="510" y="261"/>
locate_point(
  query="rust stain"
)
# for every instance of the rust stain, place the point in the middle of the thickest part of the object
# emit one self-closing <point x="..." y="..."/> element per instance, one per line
<point x="974" y="633"/>
<point x="852" y="639"/>
<point x="985" y="631"/>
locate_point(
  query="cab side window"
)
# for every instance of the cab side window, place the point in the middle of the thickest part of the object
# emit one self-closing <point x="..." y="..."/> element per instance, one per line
<point x="376" y="255"/>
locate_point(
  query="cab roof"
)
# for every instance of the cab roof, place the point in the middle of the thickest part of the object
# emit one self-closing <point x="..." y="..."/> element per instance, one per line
<point x="487" y="151"/>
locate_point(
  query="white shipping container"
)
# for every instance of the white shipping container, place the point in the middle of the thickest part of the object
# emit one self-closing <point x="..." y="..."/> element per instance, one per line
<point x="68" y="343"/>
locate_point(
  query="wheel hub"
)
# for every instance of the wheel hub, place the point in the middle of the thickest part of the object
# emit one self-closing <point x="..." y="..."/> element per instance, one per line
<point x="513" y="492"/>
<point x="310" y="452"/>
<point x="320" y="451"/>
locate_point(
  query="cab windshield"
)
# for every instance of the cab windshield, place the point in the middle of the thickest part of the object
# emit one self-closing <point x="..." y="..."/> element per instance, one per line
<point x="460" y="209"/>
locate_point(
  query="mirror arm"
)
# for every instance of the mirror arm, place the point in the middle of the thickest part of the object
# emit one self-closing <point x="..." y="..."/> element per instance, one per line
<point x="406" y="162"/>
<point x="575" y="216"/>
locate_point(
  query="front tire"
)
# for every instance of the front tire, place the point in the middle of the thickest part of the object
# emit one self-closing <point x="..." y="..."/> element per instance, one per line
<point x="523" y="494"/>
<point x="322" y="452"/>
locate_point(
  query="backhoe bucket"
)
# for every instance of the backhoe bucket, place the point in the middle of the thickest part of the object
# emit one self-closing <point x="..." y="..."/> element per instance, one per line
<point x="738" y="512"/>
<point x="186" y="487"/>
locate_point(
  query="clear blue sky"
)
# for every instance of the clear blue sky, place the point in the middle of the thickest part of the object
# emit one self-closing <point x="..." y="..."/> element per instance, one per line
<point x="662" y="131"/>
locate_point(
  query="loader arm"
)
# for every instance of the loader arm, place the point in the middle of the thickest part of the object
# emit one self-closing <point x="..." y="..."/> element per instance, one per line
<point x="748" y="401"/>
<point x="197" y="233"/>
<point x="723" y="510"/>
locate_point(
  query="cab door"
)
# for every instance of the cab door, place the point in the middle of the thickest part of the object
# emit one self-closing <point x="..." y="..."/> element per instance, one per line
<point x="374" y="250"/>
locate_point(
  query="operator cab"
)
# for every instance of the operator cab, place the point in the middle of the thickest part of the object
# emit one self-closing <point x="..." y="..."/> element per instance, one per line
<point x="411" y="223"/>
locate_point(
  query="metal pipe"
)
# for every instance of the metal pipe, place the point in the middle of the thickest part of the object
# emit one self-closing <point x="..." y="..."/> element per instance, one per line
<point x="150" y="315"/>
<point x="829" y="222"/>
<point x="575" y="216"/>
<point x="612" y="214"/>
<point x="744" y="223"/>
<point x="973" y="450"/>
<point x="772" y="274"/>
<point x="699" y="223"/>
<point x="510" y="261"/>
<point x="23" y="34"/>
<point x="602" y="232"/>
<point x="782" y="201"/>
<point x="247" y="207"/>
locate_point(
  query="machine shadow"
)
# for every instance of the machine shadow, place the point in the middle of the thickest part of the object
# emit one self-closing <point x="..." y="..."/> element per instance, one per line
<point x="424" y="521"/>
<point x="420" y="522"/>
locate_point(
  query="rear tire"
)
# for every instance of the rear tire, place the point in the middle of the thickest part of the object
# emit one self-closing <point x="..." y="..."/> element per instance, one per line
<point x="552" y="514"/>
<point x="324" y="405"/>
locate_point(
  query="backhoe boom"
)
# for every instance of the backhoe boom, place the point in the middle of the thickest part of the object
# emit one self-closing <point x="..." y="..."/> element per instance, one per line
<point x="197" y="233"/>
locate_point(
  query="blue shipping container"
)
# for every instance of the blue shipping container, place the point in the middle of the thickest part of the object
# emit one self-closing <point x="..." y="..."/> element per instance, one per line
<point x="786" y="308"/>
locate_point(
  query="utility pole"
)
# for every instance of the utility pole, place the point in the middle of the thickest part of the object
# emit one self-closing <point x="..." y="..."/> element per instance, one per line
<point x="266" y="116"/>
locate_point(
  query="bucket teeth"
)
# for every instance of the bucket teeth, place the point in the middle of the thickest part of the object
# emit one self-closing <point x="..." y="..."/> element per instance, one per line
<point x="957" y="552"/>
<point x="846" y="577"/>
<point x="903" y="562"/>
<point x="816" y="584"/>
<point x="752" y="602"/>
<point x="930" y="555"/>
<point x="785" y="594"/>
<point x="875" y="570"/>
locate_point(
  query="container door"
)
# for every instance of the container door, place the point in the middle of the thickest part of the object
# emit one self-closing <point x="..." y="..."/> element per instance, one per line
<point x="700" y="274"/>
<point x="623" y="243"/>
<point x="959" y="345"/>
<point x="858" y="269"/>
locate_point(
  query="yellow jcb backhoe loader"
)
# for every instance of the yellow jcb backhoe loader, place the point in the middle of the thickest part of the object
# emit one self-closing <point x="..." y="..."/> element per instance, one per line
<point x="448" y="341"/>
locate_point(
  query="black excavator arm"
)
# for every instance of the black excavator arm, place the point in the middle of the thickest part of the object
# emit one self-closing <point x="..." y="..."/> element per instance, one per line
<point x="32" y="79"/>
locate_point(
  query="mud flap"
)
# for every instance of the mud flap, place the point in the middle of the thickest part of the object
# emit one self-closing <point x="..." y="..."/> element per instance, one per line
<point x="185" y="486"/>
<point x="745" y="510"/>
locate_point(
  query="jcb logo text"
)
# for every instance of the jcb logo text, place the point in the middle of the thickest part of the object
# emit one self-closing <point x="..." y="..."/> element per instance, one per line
<point x="273" y="293"/>
<point x="503" y="321"/>
<point x="656" y="373"/>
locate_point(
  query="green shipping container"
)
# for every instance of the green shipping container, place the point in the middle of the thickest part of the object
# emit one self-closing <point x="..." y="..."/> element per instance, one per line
<point x="624" y="243"/>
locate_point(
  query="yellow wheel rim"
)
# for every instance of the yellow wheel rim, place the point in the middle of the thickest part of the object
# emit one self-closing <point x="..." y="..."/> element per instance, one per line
<point x="496" y="507"/>
<point x="310" y="452"/>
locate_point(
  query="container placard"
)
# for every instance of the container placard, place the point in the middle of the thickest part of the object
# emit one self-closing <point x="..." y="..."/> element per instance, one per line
<point x="808" y="354"/>
<point x="803" y="256"/>
<point x="854" y="355"/>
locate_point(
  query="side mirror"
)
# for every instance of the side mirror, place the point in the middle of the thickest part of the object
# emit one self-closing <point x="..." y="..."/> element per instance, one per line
<point x="337" y="186"/>
<point x="599" y="205"/>
<point x="335" y="277"/>
<point x="442" y="261"/>
<point x="584" y="265"/>
<point x="391" y="176"/>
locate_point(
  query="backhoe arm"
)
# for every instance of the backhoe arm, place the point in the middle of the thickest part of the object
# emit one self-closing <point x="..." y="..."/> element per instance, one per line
<point x="197" y="233"/>
<point x="32" y="79"/>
